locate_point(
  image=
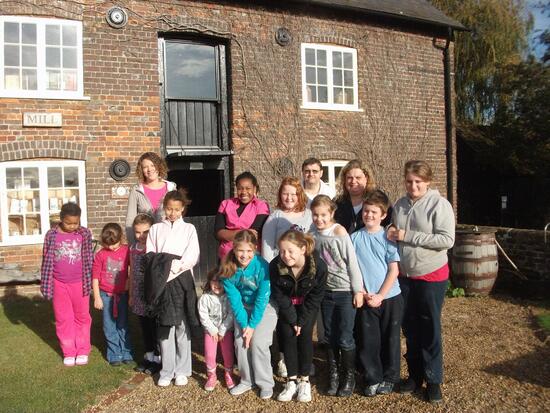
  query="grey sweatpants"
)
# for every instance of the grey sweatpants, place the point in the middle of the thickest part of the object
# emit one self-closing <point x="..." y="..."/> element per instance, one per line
<point x="255" y="362"/>
<point x="175" y="350"/>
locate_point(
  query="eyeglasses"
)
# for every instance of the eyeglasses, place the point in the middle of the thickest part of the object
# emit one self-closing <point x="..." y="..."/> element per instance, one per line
<point x="311" y="171"/>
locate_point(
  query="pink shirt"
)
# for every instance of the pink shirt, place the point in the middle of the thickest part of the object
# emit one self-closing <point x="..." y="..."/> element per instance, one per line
<point x="155" y="195"/>
<point x="111" y="269"/>
<point x="229" y="207"/>
<point x="67" y="260"/>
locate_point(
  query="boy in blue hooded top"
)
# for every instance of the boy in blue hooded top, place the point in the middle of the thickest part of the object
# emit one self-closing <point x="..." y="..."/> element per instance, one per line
<point x="246" y="283"/>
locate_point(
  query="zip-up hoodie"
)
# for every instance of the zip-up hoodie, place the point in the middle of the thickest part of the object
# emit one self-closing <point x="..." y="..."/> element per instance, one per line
<point x="138" y="203"/>
<point x="429" y="225"/>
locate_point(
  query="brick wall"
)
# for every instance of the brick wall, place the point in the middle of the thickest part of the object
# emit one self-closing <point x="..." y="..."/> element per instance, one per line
<point x="401" y="97"/>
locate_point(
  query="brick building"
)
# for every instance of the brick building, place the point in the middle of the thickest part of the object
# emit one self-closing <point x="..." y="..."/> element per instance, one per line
<point x="217" y="87"/>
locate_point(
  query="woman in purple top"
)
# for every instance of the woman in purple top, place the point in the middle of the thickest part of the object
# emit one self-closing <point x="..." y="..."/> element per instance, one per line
<point x="146" y="197"/>
<point x="245" y="211"/>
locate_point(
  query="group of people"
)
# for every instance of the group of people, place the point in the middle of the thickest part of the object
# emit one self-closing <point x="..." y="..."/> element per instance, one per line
<point x="358" y="267"/>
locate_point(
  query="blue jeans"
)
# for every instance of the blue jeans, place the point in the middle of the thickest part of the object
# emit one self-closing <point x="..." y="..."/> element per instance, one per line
<point x="338" y="319"/>
<point x="119" y="347"/>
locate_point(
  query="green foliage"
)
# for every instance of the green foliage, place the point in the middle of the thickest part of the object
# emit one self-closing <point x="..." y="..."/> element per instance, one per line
<point x="453" y="292"/>
<point x="544" y="321"/>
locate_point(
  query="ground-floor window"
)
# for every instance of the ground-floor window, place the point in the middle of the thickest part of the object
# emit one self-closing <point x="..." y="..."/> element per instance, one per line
<point x="31" y="196"/>
<point x="331" y="171"/>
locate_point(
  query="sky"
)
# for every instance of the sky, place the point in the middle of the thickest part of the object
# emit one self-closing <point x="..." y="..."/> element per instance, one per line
<point x="541" y="23"/>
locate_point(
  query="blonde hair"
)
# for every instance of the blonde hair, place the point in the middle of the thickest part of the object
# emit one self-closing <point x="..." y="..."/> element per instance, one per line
<point x="299" y="239"/>
<point x="420" y="169"/>
<point x="323" y="200"/>
<point x="343" y="192"/>
<point x="302" y="200"/>
<point x="229" y="263"/>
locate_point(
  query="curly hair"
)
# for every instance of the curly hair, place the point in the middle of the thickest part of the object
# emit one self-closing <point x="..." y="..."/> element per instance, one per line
<point x="160" y="165"/>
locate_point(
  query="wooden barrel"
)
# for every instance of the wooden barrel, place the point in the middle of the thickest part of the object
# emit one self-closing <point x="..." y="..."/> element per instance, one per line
<point x="474" y="262"/>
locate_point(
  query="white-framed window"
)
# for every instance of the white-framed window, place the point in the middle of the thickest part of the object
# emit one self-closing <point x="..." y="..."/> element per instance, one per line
<point x="40" y="58"/>
<point x="329" y="77"/>
<point x="331" y="172"/>
<point x="31" y="196"/>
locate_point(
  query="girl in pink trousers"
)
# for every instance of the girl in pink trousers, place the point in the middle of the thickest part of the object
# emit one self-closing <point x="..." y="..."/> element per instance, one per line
<point x="66" y="276"/>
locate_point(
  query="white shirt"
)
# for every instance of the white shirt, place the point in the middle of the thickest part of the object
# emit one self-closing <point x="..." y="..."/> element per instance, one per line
<point x="324" y="189"/>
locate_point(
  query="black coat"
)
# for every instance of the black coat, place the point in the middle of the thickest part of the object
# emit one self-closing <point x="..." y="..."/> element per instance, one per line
<point x="310" y="285"/>
<point x="169" y="302"/>
<point x="346" y="216"/>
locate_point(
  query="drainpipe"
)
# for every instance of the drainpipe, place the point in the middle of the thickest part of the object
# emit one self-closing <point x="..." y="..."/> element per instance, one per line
<point x="448" y="115"/>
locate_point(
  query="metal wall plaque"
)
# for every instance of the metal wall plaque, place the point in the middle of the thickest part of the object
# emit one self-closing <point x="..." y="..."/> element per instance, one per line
<point x="42" y="120"/>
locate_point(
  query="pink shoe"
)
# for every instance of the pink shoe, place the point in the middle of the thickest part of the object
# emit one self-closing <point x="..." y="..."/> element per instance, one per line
<point x="228" y="379"/>
<point x="211" y="381"/>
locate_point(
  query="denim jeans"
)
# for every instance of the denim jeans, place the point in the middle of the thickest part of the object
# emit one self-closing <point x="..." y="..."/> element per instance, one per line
<point x="338" y="319"/>
<point x="119" y="347"/>
<point x="423" y="302"/>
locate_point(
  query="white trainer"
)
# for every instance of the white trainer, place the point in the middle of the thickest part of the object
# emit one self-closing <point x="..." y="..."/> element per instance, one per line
<point x="281" y="368"/>
<point x="164" y="382"/>
<point x="81" y="360"/>
<point x="69" y="361"/>
<point x="181" y="381"/>
<point x="304" y="391"/>
<point x="288" y="392"/>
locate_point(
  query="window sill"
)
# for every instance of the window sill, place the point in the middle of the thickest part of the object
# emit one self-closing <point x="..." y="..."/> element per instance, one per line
<point x="28" y="240"/>
<point x="332" y="108"/>
<point x="4" y="95"/>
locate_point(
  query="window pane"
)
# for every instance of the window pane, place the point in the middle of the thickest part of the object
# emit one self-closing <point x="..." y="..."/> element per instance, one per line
<point x="69" y="58"/>
<point x="323" y="94"/>
<point x="28" y="79"/>
<point x="311" y="94"/>
<point x="337" y="59"/>
<point x="322" y="76"/>
<point x="16" y="225"/>
<point x="310" y="57"/>
<point x="52" y="34"/>
<point x="321" y="58"/>
<point x="324" y="178"/>
<point x="349" y="96"/>
<point x="69" y="80"/>
<point x="337" y="77"/>
<point x="11" y="79"/>
<point x="190" y="71"/>
<point x="11" y="32"/>
<point x="54" y="177"/>
<point x="71" y="176"/>
<point x="348" y="78"/>
<point x="54" y="79"/>
<point x="33" y="224"/>
<point x="29" y="33"/>
<point x="28" y="56"/>
<point x="69" y="35"/>
<point x="31" y="178"/>
<point x="11" y="55"/>
<point x="310" y="75"/>
<point x="338" y="95"/>
<point x="337" y="170"/>
<point x="13" y="178"/>
<point x="53" y="57"/>
<point x="348" y="60"/>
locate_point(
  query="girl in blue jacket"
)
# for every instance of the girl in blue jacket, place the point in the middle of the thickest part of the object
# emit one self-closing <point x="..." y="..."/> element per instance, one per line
<point x="246" y="283"/>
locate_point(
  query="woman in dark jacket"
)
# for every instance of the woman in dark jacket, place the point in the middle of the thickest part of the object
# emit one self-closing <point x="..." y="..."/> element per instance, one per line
<point x="298" y="279"/>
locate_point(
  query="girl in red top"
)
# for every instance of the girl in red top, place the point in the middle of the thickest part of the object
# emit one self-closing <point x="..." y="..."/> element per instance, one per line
<point x="110" y="285"/>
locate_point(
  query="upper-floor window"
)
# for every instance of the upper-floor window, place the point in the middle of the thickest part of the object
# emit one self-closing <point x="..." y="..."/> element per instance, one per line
<point x="329" y="77"/>
<point x="40" y="58"/>
<point x="331" y="172"/>
<point x="31" y="196"/>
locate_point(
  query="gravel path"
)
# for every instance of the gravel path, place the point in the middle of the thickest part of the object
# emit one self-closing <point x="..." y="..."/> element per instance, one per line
<point x="495" y="361"/>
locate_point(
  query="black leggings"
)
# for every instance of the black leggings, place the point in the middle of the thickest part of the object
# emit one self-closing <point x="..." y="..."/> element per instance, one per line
<point x="298" y="350"/>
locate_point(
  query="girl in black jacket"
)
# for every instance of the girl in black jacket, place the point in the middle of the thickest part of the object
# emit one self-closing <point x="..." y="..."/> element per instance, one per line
<point x="298" y="278"/>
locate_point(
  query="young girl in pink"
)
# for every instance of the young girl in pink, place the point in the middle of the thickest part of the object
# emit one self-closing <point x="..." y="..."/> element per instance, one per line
<point x="66" y="276"/>
<point x="217" y="320"/>
<point x="110" y="284"/>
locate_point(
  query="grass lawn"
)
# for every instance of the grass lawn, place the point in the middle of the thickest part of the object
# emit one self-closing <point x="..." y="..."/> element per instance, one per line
<point x="544" y="321"/>
<point x="33" y="377"/>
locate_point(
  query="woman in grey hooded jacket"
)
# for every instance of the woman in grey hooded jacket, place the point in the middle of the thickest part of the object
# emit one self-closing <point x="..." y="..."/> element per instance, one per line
<point x="423" y="224"/>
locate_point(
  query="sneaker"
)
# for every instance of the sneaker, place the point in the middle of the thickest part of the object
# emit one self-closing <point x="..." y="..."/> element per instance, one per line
<point x="228" y="379"/>
<point x="304" y="391"/>
<point x="433" y="393"/>
<point x="370" y="390"/>
<point x="266" y="394"/>
<point x="409" y="386"/>
<point x="281" y="369"/>
<point x="239" y="389"/>
<point x="181" y="381"/>
<point x="211" y="381"/>
<point x="385" y="387"/>
<point x="129" y="361"/>
<point x="115" y="363"/>
<point x="81" y="360"/>
<point x="288" y="392"/>
<point x="164" y="382"/>
<point x="69" y="361"/>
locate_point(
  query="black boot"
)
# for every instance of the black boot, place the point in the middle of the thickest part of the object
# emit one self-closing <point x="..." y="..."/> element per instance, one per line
<point x="332" y="372"/>
<point x="347" y="384"/>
